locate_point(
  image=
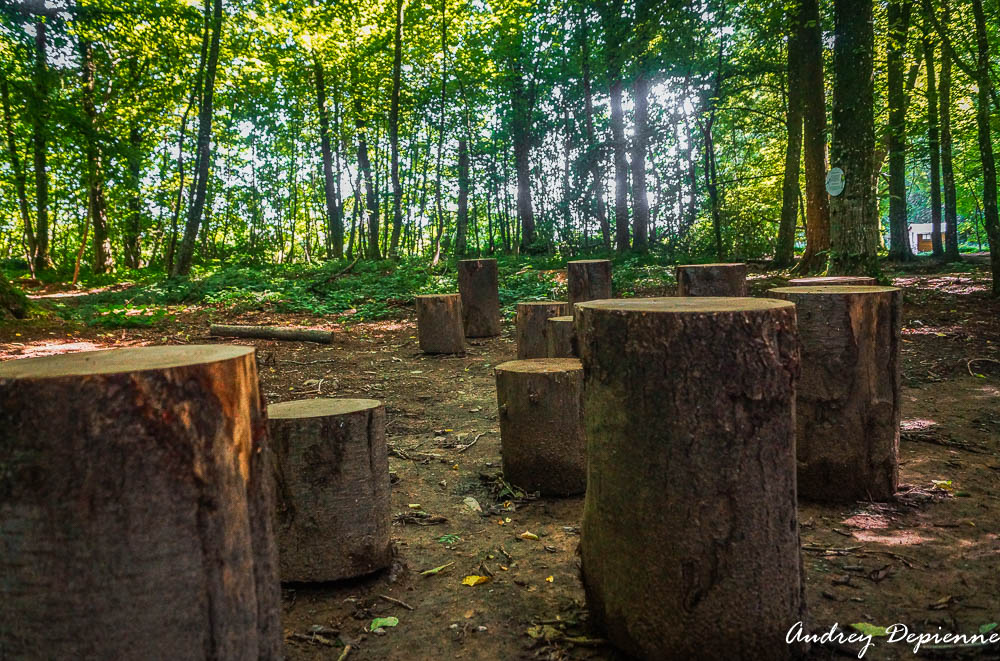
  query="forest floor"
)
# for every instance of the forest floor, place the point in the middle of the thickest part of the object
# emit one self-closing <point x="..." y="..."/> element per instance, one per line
<point x="929" y="559"/>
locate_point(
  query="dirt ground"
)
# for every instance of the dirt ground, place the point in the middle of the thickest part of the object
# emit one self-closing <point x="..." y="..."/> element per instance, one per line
<point x="929" y="559"/>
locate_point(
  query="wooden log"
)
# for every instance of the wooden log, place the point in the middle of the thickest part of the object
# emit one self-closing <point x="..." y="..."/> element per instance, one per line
<point x="833" y="280"/>
<point x="588" y="279"/>
<point x="712" y="280"/>
<point x="136" y="507"/>
<point x="478" y="285"/>
<point x="847" y="410"/>
<point x="272" y="333"/>
<point x="541" y="425"/>
<point x="560" y="337"/>
<point x="690" y="509"/>
<point x="531" y="319"/>
<point x="332" y="485"/>
<point x="439" y="323"/>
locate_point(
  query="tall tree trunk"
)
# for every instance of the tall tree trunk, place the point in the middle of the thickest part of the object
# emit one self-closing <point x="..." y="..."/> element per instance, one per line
<point x="523" y="110"/>
<point x="182" y="265"/>
<point x="440" y="146"/>
<point x="621" y="164"/>
<point x="96" y="206"/>
<point x="462" y="221"/>
<point x="20" y="178"/>
<point x="640" y="200"/>
<point x="40" y="130"/>
<point x="133" y="223"/>
<point x="397" y="189"/>
<point x="334" y="220"/>
<point x="899" y="22"/>
<point x="934" y="147"/>
<point x="947" y="167"/>
<point x="989" y="167"/>
<point x="593" y="150"/>
<point x="854" y="231"/>
<point x="784" y="251"/>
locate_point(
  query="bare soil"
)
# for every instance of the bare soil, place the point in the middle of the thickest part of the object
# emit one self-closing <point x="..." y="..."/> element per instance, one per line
<point x="929" y="559"/>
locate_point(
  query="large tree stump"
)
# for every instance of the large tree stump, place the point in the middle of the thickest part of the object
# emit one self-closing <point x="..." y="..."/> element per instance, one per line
<point x="690" y="513"/>
<point x="439" y="323"/>
<point x="136" y="507"/>
<point x="833" y="280"/>
<point x="478" y="285"/>
<point x="848" y="401"/>
<point x="589" y="279"/>
<point x="531" y="319"/>
<point x="560" y="337"/>
<point x="712" y="280"/>
<point x="332" y="485"/>
<point x="541" y="425"/>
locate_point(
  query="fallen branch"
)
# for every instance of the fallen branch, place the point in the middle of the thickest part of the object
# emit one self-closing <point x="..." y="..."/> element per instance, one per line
<point x="474" y="441"/>
<point x="396" y="601"/>
<point x="343" y="655"/>
<point x="272" y="333"/>
<point x="968" y="363"/>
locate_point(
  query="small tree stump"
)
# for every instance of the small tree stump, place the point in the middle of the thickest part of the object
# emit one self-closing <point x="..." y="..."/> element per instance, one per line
<point x="136" y="507"/>
<point x="531" y="319"/>
<point x="589" y="279"/>
<point x="690" y="509"/>
<point x="833" y="280"/>
<point x="541" y="425"/>
<point x="560" y="337"/>
<point x="478" y="285"/>
<point x="712" y="280"/>
<point x="848" y="402"/>
<point x="332" y="485"/>
<point x="439" y="323"/>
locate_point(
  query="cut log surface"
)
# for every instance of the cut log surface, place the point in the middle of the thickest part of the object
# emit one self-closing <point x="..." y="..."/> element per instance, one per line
<point x="588" y="280"/>
<point x="479" y="286"/>
<point x="712" y="280"/>
<point x="541" y="425"/>
<point x="531" y="319"/>
<point x="848" y="411"/>
<point x="332" y="485"/>
<point x="136" y="507"/>
<point x="690" y="509"/>
<point x="439" y="323"/>
<point x="560" y="338"/>
<point x="272" y="333"/>
<point x="833" y="280"/>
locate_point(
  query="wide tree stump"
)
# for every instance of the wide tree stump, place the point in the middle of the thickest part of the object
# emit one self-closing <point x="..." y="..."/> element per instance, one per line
<point x="560" y="337"/>
<point x="833" y="280"/>
<point x="690" y="513"/>
<point x="588" y="279"/>
<point x="541" y="425"/>
<point x="712" y="280"/>
<point x="439" y="323"/>
<point x="531" y="319"/>
<point x="332" y="485"/>
<point x="848" y="401"/>
<point x="136" y="507"/>
<point x="478" y="285"/>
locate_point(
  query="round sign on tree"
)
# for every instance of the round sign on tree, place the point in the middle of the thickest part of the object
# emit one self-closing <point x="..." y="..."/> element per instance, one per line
<point x="835" y="181"/>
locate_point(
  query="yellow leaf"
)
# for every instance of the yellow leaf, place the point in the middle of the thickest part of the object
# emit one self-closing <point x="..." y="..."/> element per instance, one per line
<point x="414" y="506"/>
<point x="528" y="535"/>
<point x="475" y="580"/>
<point x="550" y="579"/>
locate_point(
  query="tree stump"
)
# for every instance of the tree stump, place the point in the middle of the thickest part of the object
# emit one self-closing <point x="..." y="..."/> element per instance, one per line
<point x="712" y="280"/>
<point x="439" y="323"/>
<point x="833" y="280"/>
<point x="560" y="338"/>
<point x="541" y="425"/>
<point x="478" y="285"/>
<point x="589" y="279"/>
<point x="136" y="507"/>
<point x="847" y="410"/>
<point x="332" y="485"/>
<point x="690" y="513"/>
<point x="531" y="319"/>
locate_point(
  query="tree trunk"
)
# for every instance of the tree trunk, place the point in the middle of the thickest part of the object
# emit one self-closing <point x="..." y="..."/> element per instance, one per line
<point x="640" y="201"/>
<point x="664" y="423"/>
<point x="137" y="523"/>
<point x="784" y="250"/>
<point x="96" y="206"/>
<point x="397" y="189"/>
<point x="989" y="167"/>
<point x="847" y="409"/>
<point x="621" y="165"/>
<point x="712" y="280"/>
<point x="530" y="322"/>
<point x="836" y="280"/>
<point x="20" y="178"/>
<point x="588" y="279"/>
<point x="593" y="154"/>
<point x="541" y="425"/>
<point x="365" y="167"/>
<point x="13" y="302"/>
<point x="133" y="223"/>
<point x="439" y="323"/>
<point x="462" y="217"/>
<point x="934" y="148"/>
<point x="560" y="337"/>
<point x="899" y="22"/>
<point x="40" y="133"/>
<point x="947" y="167"/>
<point x="272" y="333"/>
<point x="479" y="289"/>
<point x="331" y="475"/>
<point x="334" y="219"/>
<point x="439" y="207"/>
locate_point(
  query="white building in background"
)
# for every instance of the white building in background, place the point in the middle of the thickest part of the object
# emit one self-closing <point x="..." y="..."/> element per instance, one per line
<point x="920" y="236"/>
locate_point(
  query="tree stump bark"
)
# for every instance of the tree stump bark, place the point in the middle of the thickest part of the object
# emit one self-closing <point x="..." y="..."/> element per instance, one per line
<point x="589" y="279"/>
<point x="560" y="338"/>
<point x="272" y="333"/>
<point x="136" y="507"/>
<point x="478" y="285"/>
<point x="690" y="509"/>
<point x="712" y="280"/>
<point x="833" y="280"/>
<point x="439" y="323"/>
<point x="541" y="425"/>
<point x="531" y="319"/>
<point x="847" y="410"/>
<point x="332" y="485"/>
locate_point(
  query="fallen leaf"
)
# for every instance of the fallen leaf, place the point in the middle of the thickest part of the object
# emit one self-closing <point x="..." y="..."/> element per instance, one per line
<point x="986" y="628"/>
<point x="472" y="504"/>
<point x="550" y="579"/>
<point x="869" y="629"/>
<point x="528" y="535"/>
<point x="431" y="572"/>
<point x="381" y="622"/>
<point x="475" y="580"/>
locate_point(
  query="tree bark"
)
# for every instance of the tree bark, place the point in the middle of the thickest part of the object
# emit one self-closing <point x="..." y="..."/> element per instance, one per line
<point x="479" y="288"/>
<point x="397" y="189"/>
<point x="334" y="219"/>
<point x="899" y="23"/>
<point x="462" y="216"/>
<point x="712" y="280"/>
<point x="640" y="201"/>
<point x="593" y="153"/>
<point x="662" y="424"/>
<point x="560" y="337"/>
<point x="131" y="239"/>
<point x="530" y="322"/>
<point x="784" y="250"/>
<point x="97" y="208"/>
<point x="439" y="323"/>
<point x="20" y="178"/>
<point x="40" y="133"/>
<point x="138" y="505"/>
<point x="947" y="166"/>
<point x="588" y="279"/>
<point x="934" y="149"/>
<point x="988" y="162"/>
<point x="272" y="333"/>
<point x="836" y="280"/>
